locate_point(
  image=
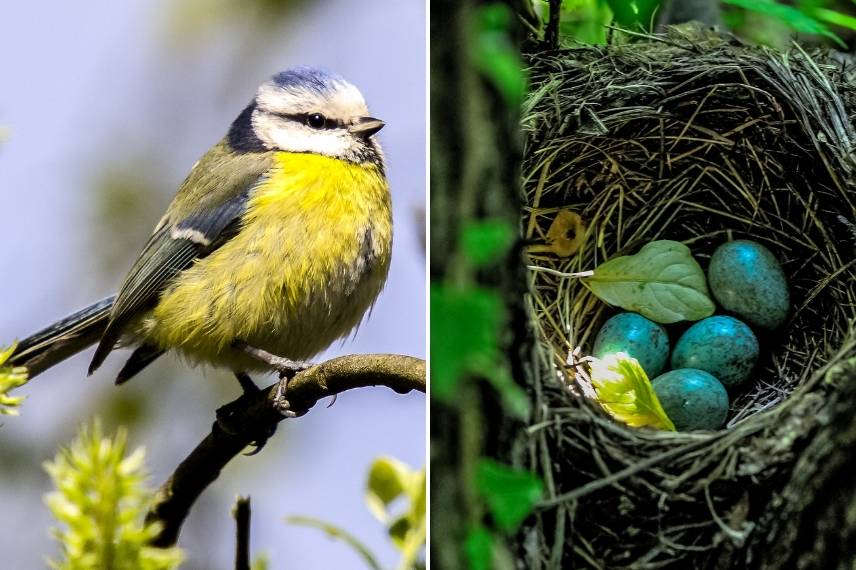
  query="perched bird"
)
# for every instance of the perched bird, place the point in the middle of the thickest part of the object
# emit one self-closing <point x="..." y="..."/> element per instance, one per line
<point x="276" y="244"/>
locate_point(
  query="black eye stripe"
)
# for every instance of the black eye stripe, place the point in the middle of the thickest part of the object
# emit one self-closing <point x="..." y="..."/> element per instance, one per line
<point x="303" y="118"/>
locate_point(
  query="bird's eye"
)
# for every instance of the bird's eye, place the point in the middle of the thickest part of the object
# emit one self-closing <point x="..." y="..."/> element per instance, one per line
<point x="316" y="120"/>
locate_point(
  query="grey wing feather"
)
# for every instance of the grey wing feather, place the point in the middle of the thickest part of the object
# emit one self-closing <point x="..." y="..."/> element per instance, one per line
<point x="171" y="249"/>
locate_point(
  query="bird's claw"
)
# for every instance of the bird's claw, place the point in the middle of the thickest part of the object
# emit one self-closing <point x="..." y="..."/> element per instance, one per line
<point x="287" y="368"/>
<point x="225" y="414"/>
<point x="281" y="403"/>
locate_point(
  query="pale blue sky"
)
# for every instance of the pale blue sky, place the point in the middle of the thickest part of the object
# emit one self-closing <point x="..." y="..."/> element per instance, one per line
<point x="86" y="82"/>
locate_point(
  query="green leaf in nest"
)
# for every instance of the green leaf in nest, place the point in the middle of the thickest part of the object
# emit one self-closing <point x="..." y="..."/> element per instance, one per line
<point x="662" y="282"/>
<point x="623" y="389"/>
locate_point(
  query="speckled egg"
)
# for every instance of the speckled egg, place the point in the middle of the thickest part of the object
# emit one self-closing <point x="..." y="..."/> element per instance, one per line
<point x="641" y="338"/>
<point x="693" y="399"/>
<point x="747" y="280"/>
<point x="723" y="346"/>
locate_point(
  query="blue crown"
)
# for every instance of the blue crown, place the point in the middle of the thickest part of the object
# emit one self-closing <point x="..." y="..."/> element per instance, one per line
<point x="303" y="77"/>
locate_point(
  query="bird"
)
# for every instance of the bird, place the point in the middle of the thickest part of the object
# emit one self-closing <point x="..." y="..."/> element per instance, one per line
<point x="277" y="244"/>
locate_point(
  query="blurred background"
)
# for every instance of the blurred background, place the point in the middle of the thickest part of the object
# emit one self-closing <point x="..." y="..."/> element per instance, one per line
<point x="105" y="107"/>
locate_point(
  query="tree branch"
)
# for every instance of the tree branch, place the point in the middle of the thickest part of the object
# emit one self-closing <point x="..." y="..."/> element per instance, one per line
<point x="255" y="416"/>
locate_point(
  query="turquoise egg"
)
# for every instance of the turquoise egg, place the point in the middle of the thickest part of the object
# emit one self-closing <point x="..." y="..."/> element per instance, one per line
<point x="723" y="346"/>
<point x="747" y="280"/>
<point x="693" y="399"/>
<point x="641" y="338"/>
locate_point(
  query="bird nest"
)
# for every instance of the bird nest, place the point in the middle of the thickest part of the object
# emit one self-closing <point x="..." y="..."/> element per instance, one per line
<point x="694" y="137"/>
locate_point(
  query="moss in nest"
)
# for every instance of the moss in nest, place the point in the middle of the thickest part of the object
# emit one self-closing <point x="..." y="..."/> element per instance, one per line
<point x="696" y="138"/>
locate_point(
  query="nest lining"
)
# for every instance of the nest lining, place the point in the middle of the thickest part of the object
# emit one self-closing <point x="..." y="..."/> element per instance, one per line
<point x="696" y="138"/>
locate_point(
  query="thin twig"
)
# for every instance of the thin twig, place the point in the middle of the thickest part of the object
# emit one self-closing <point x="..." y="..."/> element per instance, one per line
<point x="241" y="512"/>
<point x="551" y="36"/>
<point x="254" y="417"/>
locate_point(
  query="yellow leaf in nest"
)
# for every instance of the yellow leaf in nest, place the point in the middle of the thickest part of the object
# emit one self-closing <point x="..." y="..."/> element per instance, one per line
<point x="565" y="236"/>
<point x="624" y="390"/>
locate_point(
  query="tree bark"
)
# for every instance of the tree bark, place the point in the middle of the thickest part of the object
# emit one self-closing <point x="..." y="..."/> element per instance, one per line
<point x="810" y="521"/>
<point x="475" y="157"/>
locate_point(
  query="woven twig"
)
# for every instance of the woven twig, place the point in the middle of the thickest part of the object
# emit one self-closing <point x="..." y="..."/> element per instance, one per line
<point x="696" y="138"/>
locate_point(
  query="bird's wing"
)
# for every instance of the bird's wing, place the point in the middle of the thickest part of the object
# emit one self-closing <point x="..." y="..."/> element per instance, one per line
<point x="177" y="242"/>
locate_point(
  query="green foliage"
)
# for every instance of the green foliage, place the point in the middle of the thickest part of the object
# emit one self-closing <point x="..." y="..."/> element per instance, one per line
<point x="579" y="20"/>
<point x="487" y="241"/>
<point x="662" y="282"/>
<point x="101" y="500"/>
<point x="465" y="327"/>
<point x="634" y="14"/>
<point x="510" y="493"/>
<point x="494" y="54"/>
<point x="761" y="21"/>
<point x="11" y="377"/>
<point x="260" y="562"/>
<point x="478" y="548"/>
<point x="388" y="482"/>
<point x="799" y="20"/>
<point x="835" y="18"/>
<point x="624" y="390"/>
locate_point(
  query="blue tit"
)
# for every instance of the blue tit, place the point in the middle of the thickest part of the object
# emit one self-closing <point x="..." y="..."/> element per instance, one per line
<point x="278" y="240"/>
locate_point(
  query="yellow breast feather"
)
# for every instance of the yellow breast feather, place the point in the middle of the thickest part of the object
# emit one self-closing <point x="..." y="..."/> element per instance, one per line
<point x="310" y="258"/>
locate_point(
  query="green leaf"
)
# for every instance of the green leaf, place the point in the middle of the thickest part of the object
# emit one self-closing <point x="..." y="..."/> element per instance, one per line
<point x="415" y="533"/>
<point x="495" y="56"/>
<point x="662" y="282"/>
<point x="388" y="479"/>
<point x="788" y="15"/>
<point x="624" y="390"/>
<point x="338" y="533"/>
<point x="487" y="241"/>
<point x="11" y="377"/>
<point x="465" y="325"/>
<point x="399" y="530"/>
<point x="634" y="13"/>
<point x="261" y="562"/>
<point x="478" y="548"/>
<point x="835" y="18"/>
<point x="418" y="495"/>
<point x="510" y="493"/>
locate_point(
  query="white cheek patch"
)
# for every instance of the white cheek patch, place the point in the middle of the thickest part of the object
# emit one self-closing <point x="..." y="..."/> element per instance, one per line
<point x="284" y="134"/>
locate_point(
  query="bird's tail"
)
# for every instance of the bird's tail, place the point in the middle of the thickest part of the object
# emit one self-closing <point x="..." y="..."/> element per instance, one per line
<point x="63" y="339"/>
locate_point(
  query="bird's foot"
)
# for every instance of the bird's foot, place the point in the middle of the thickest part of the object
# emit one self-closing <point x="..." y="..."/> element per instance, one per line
<point x="280" y="402"/>
<point x="286" y="367"/>
<point x="226" y="414"/>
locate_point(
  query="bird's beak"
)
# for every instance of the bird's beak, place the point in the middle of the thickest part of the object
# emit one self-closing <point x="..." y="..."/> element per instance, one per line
<point x="365" y="126"/>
